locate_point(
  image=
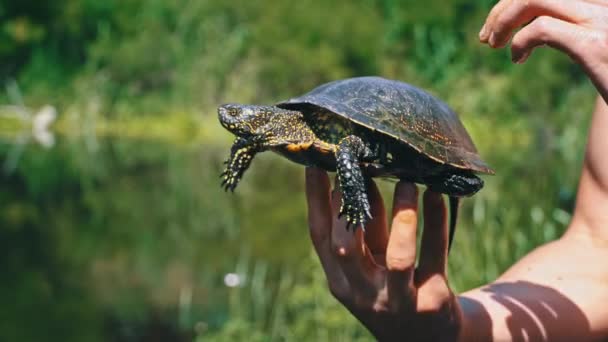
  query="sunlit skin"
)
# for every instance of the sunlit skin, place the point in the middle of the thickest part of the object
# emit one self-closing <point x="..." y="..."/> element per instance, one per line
<point x="558" y="292"/>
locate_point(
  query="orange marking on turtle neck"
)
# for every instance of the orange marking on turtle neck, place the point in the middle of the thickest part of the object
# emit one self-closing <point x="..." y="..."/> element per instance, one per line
<point x="298" y="147"/>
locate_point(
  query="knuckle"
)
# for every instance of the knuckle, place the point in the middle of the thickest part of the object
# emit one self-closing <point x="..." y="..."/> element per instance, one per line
<point x="431" y="304"/>
<point x="500" y="23"/>
<point x="400" y="262"/>
<point x="542" y="27"/>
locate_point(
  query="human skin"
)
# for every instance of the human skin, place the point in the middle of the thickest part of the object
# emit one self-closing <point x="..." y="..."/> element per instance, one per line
<point x="558" y="292"/>
<point x="373" y="274"/>
<point x="577" y="27"/>
<point x="570" y="275"/>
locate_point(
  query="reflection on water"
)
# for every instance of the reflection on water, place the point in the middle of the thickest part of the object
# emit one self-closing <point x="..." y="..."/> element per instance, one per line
<point x="119" y="230"/>
<point x="135" y="236"/>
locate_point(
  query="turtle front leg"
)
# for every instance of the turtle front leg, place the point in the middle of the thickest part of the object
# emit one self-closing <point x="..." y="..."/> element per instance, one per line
<point x="241" y="155"/>
<point x="355" y="204"/>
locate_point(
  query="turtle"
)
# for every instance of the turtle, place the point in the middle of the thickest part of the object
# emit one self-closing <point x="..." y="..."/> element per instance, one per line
<point x="360" y="128"/>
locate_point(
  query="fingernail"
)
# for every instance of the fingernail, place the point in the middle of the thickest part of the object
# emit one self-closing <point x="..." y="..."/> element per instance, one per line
<point x="523" y="58"/>
<point x="492" y="40"/>
<point x="520" y="59"/>
<point x="483" y="33"/>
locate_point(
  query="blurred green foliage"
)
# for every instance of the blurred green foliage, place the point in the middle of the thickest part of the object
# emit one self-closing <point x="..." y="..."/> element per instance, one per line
<point x="120" y="231"/>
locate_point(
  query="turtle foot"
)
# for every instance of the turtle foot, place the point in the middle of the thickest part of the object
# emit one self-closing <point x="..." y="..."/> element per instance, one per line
<point x="456" y="184"/>
<point x="355" y="204"/>
<point x="230" y="179"/>
<point x="241" y="155"/>
<point x="356" y="208"/>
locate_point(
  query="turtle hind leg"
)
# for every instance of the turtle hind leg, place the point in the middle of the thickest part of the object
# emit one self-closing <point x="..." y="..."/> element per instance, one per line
<point x="355" y="204"/>
<point x="455" y="185"/>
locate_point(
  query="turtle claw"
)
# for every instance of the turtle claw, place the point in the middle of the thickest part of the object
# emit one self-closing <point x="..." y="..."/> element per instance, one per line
<point x="357" y="211"/>
<point x="241" y="155"/>
<point x="230" y="179"/>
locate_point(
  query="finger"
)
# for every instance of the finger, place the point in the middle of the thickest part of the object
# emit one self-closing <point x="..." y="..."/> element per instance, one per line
<point x="353" y="256"/>
<point x="401" y="249"/>
<point x="570" y="11"/>
<point x="518" y="13"/>
<point x="601" y="3"/>
<point x="567" y="37"/>
<point x="376" y="232"/>
<point x="484" y="34"/>
<point x="319" y="223"/>
<point x="434" y="245"/>
<point x="344" y="241"/>
<point x="319" y="206"/>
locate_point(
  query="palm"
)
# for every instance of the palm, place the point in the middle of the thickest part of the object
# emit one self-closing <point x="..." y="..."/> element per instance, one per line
<point x="373" y="274"/>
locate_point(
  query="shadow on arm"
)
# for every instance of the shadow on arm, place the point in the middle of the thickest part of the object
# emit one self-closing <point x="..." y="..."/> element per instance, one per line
<point x="536" y="313"/>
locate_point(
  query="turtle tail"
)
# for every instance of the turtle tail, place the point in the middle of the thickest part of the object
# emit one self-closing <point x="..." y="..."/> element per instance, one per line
<point x="454" y="204"/>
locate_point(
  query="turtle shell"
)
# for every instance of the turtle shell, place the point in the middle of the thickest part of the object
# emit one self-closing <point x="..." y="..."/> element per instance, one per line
<point x="402" y="111"/>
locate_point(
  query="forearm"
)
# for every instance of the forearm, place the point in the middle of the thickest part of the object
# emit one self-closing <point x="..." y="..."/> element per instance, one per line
<point x="592" y="198"/>
<point x="558" y="291"/>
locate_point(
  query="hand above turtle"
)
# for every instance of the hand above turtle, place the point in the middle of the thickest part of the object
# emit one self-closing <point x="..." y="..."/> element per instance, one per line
<point x="578" y="28"/>
<point x="375" y="275"/>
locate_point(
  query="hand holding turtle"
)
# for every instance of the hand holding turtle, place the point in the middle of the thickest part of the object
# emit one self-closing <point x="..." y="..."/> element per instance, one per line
<point x="578" y="28"/>
<point x="374" y="275"/>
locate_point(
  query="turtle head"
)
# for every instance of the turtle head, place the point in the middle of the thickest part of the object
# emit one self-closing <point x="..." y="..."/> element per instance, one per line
<point x="249" y="120"/>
